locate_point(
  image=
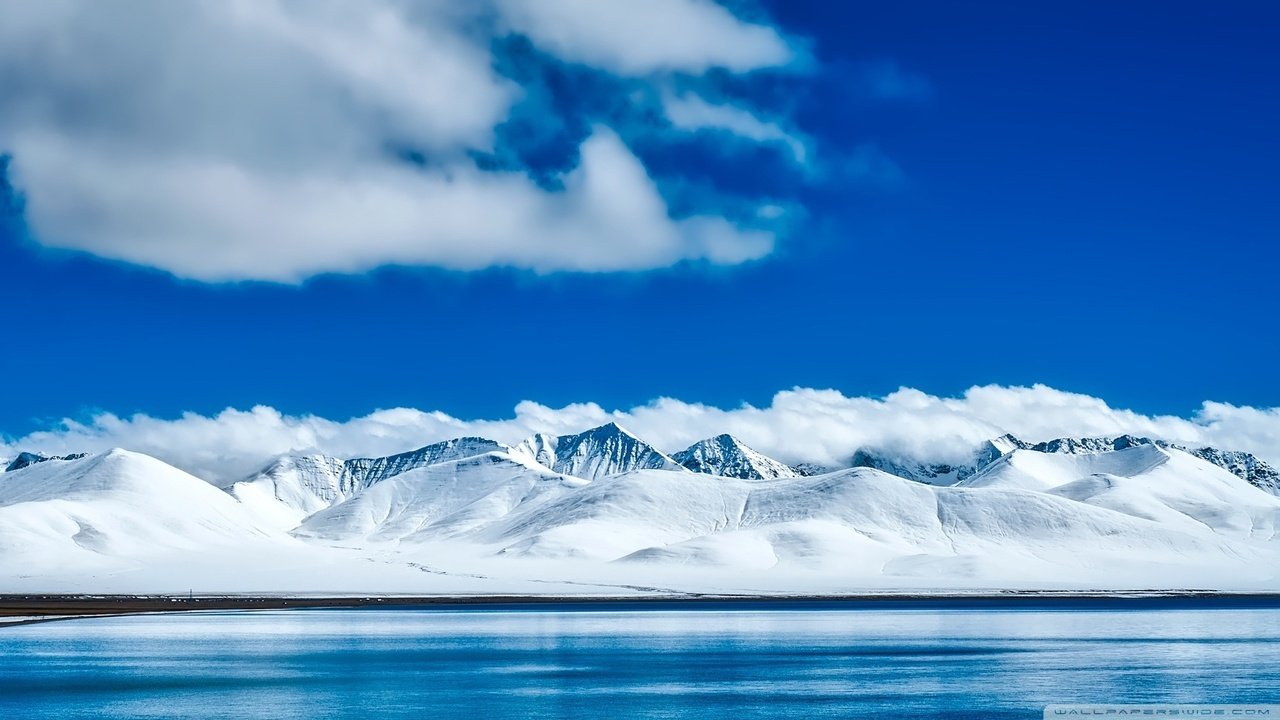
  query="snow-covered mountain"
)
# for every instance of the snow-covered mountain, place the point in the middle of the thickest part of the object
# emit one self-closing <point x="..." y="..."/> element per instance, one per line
<point x="369" y="471"/>
<point x="807" y="469"/>
<point x="1086" y="445"/>
<point x="26" y="459"/>
<point x="296" y="486"/>
<point x="600" y="451"/>
<point x="1241" y="464"/>
<point x="727" y="456"/>
<point x="443" y="500"/>
<point x="868" y="524"/>
<point x="1164" y="485"/>
<point x="922" y="472"/>
<point x="541" y="449"/>
<point x="115" y="505"/>
<point x="1084" y="512"/>
<point x="932" y="473"/>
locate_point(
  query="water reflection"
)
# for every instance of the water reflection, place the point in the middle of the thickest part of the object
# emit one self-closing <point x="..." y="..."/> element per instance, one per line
<point x="741" y="663"/>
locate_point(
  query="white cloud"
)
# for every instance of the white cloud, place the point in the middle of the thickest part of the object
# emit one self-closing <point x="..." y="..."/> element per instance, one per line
<point x="865" y="164"/>
<point x="233" y="221"/>
<point x="258" y="139"/>
<point x="647" y="37"/>
<point x="803" y="424"/>
<point x="690" y="112"/>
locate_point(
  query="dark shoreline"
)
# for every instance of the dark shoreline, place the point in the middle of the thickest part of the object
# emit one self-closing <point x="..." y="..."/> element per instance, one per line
<point x="20" y="609"/>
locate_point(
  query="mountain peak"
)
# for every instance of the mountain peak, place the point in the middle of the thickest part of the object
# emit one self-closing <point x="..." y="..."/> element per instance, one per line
<point x="540" y="448"/>
<point x="609" y="428"/>
<point x="605" y="450"/>
<point x="1007" y="440"/>
<point x="727" y="456"/>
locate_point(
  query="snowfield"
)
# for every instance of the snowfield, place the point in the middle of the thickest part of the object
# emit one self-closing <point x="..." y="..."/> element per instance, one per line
<point x="604" y="513"/>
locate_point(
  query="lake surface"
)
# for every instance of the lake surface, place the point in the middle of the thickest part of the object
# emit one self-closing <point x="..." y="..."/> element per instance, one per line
<point x="744" y="661"/>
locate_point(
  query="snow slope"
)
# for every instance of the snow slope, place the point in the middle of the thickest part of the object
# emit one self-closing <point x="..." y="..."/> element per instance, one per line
<point x="118" y="504"/>
<point x="860" y="518"/>
<point x="1169" y="486"/>
<point x="293" y="488"/>
<point x="1037" y="470"/>
<point x="1241" y="464"/>
<point x="440" y="501"/>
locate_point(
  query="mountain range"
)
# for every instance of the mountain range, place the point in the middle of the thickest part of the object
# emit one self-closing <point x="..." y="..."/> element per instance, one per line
<point x="605" y="504"/>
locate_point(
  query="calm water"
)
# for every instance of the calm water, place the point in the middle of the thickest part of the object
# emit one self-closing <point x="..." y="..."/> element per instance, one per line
<point x="744" y="662"/>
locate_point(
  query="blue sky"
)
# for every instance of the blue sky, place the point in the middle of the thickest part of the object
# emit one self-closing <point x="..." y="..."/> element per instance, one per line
<point x="991" y="193"/>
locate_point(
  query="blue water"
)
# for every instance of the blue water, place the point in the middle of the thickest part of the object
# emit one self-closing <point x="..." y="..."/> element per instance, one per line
<point x="741" y="662"/>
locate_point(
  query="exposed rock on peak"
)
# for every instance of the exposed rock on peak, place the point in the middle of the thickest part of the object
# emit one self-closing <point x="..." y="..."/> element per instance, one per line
<point x="27" y="459"/>
<point x="728" y="456"/>
<point x="605" y="450"/>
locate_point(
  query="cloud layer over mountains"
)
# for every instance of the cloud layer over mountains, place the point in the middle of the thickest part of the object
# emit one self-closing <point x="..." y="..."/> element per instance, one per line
<point x="799" y="425"/>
